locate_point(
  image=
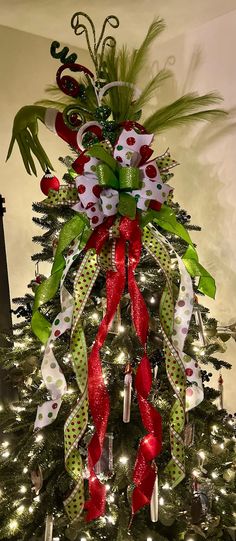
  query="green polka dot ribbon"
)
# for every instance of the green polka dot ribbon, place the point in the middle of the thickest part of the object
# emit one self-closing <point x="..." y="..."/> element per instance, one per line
<point x="174" y="365"/>
<point x="76" y="423"/>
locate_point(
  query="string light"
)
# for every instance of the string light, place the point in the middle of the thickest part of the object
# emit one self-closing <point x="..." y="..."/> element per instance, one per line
<point x="111" y="519"/>
<point x="31" y="510"/>
<point x="20" y="509"/>
<point x="149" y="538"/>
<point x="1" y="407"/>
<point x="121" y="328"/>
<point x="120" y="357"/>
<point x="95" y="316"/>
<point x="214" y="429"/>
<point x="222" y="446"/>
<point x="6" y="454"/>
<point x="83" y="539"/>
<point x="107" y="486"/>
<point x="195" y="473"/>
<point x="42" y="348"/>
<point x="142" y="278"/>
<point x="152" y="300"/>
<point x="13" y="525"/>
<point x="161" y="501"/>
<point x="214" y="475"/>
<point x="166" y="486"/>
<point x="39" y="438"/>
<point x="223" y="491"/>
<point x="25" y="470"/>
<point x="23" y="489"/>
<point x="111" y="498"/>
<point x="202" y="455"/>
<point x="5" y="444"/>
<point x="123" y="459"/>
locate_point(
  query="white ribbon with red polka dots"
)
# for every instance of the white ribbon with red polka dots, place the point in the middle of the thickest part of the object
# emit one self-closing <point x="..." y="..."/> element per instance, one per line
<point x="182" y="317"/>
<point x="99" y="203"/>
<point x="52" y="375"/>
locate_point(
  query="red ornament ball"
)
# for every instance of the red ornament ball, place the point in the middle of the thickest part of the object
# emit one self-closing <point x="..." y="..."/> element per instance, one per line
<point x="49" y="182"/>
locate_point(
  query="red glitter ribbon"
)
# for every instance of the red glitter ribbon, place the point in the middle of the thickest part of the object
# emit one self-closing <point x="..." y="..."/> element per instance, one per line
<point x="150" y="445"/>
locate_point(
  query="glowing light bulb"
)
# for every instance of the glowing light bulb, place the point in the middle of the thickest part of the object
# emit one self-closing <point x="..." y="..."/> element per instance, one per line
<point x="1" y="407"/>
<point x="202" y="455"/>
<point x="214" y="475"/>
<point x="121" y="328"/>
<point x="214" y="428"/>
<point x="5" y="444"/>
<point x="120" y="357"/>
<point x="20" y="509"/>
<point x="161" y="501"/>
<point x="23" y="489"/>
<point x="83" y="539"/>
<point x="166" y="486"/>
<point x="31" y="510"/>
<point x="222" y="446"/>
<point x="122" y="394"/>
<point x="123" y="459"/>
<point x="142" y="278"/>
<point x="107" y="486"/>
<point x="190" y="539"/>
<point x="25" y="470"/>
<point x="110" y="519"/>
<point x="13" y="525"/>
<point x="42" y="348"/>
<point x="149" y="538"/>
<point x="195" y="473"/>
<point x="152" y="300"/>
<point x="223" y="491"/>
<point x="6" y="454"/>
<point x="111" y="498"/>
<point x="70" y="390"/>
<point x="39" y="438"/>
<point x="217" y="498"/>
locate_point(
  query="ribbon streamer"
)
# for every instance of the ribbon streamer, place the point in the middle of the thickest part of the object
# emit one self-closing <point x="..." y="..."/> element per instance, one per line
<point x="53" y="377"/>
<point x="76" y="423"/>
<point x="174" y="366"/>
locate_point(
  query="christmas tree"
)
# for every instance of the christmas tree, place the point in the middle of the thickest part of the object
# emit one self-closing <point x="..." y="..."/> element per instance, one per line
<point x="115" y="433"/>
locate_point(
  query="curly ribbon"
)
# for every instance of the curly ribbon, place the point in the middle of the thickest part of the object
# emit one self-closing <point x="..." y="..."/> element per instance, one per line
<point x="76" y="423"/>
<point x="182" y="316"/>
<point x="98" y="396"/>
<point x="174" y="365"/>
<point x="150" y="445"/>
<point x="48" y="288"/>
<point x="53" y="377"/>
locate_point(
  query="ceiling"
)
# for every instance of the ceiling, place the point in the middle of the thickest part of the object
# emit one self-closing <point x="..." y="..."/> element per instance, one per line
<point x="51" y="18"/>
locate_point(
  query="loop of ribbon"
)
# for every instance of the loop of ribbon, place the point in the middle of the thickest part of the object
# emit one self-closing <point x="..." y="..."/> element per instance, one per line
<point x="123" y="182"/>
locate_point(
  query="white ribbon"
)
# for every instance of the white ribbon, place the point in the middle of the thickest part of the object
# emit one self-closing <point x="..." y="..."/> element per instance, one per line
<point x="96" y="203"/>
<point x="182" y="317"/>
<point x="53" y="377"/>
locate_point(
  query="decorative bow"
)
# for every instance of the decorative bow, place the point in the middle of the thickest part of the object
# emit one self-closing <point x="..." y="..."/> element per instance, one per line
<point x="109" y="184"/>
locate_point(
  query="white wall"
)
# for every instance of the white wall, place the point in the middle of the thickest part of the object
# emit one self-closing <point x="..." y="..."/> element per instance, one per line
<point x="26" y="69"/>
<point x="205" y="182"/>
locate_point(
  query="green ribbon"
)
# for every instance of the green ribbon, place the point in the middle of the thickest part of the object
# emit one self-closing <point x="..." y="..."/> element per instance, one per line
<point x="123" y="179"/>
<point x="174" y="366"/>
<point x="76" y="423"/>
<point x="166" y="219"/>
<point x="47" y="290"/>
<point x="206" y="282"/>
